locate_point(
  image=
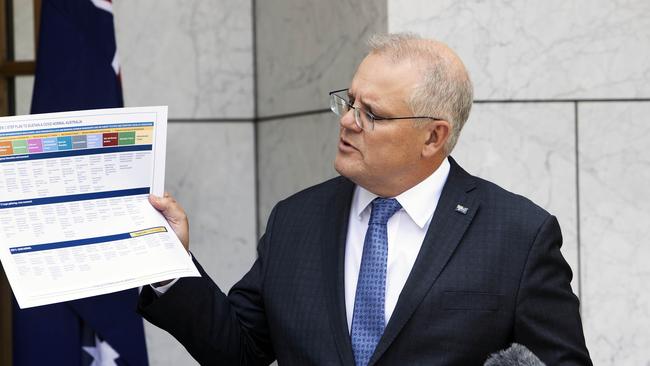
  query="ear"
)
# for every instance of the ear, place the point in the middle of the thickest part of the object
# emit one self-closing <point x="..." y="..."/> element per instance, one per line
<point x="437" y="134"/>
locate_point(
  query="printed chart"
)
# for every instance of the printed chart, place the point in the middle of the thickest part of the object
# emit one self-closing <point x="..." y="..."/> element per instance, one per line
<point x="75" y="220"/>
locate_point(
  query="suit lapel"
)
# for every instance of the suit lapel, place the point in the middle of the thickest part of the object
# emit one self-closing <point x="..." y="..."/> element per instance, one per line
<point x="445" y="232"/>
<point x="333" y="247"/>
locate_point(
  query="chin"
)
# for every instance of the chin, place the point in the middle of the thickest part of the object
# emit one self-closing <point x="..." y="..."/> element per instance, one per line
<point x="345" y="166"/>
<point x="339" y="166"/>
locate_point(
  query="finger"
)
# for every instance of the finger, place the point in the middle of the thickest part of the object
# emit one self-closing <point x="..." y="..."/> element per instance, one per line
<point x="168" y="207"/>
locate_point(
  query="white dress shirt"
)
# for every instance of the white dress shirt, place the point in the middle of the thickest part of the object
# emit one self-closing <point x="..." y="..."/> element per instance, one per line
<point x="406" y="231"/>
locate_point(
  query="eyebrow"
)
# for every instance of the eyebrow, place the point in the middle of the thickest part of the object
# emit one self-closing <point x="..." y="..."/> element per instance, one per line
<point x="371" y="105"/>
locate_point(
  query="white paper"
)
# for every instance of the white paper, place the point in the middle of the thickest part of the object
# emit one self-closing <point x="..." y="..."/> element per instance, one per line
<point x="75" y="220"/>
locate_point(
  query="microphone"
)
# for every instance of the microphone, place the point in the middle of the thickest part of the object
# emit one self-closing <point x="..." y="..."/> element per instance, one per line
<point x="516" y="355"/>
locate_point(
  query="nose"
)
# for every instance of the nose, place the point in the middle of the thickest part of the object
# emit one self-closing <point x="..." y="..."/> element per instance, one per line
<point x="348" y="122"/>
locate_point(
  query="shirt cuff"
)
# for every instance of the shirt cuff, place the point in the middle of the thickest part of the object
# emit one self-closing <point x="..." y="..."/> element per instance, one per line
<point x="160" y="290"/>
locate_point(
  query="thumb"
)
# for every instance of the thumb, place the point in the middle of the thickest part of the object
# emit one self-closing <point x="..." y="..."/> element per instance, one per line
<point x="157" y="202"/>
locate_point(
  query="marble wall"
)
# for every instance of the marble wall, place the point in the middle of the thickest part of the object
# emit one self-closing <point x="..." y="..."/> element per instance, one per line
<point x="614" y="198"/>
<point x="307" y="48"/>
<point x="540" y="49"/>
<point x="197" y="57"/>
<point x="294" y="153"/>
<point x="570" y="147"/>
<point x="193" y="55"/>
<point x="304" y="50"/>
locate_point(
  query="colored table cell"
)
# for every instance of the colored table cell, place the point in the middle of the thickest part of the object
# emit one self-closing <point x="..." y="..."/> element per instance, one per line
<point x="127" y="138"/>
<point x="35" y="145"/>
<point x="65" y="142"/>
<point x="110" y="139"/>
<point x="20" y="146"/>
<point x="6" y="148"/>
<point x="50" y="144"/>
<point x="94" y="141"/>
<point x="143" y="137"/>
<point x="79" y="142"/>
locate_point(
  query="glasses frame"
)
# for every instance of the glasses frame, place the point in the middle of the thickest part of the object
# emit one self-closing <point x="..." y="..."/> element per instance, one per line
<point x="371" y="117"/>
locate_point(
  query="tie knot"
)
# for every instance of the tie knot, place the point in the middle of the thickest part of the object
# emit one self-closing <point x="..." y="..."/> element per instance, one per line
<point x="383" y="209"/>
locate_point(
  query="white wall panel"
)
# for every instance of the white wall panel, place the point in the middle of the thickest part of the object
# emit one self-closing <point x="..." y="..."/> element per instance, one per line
<point x="614" y="217"/>
<point x="193" y="55"/>
<point x="540" y="49"/>
<point x="293" y="154"/>
<point x="310" y="47"/>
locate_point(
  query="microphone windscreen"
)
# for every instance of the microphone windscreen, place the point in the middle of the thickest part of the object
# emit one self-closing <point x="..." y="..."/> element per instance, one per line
<point x="516" y="355"/>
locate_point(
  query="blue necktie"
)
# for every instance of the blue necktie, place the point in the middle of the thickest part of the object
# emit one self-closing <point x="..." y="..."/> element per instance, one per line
<point x="368" y="318"/>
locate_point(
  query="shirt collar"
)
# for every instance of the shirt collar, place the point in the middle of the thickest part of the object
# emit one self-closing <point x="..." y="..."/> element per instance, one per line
<point x="419" y="202"/>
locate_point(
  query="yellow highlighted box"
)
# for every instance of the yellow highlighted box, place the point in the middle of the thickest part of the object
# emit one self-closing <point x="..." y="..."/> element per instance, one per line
<point x="144" y="137"/>
<point x="153" y="230"/>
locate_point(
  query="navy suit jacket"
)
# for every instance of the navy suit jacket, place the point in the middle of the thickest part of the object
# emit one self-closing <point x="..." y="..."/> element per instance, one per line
<point x="482" y="280"/>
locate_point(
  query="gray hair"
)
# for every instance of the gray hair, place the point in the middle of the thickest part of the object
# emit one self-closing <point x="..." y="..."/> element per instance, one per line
<point x="445" y="90"/>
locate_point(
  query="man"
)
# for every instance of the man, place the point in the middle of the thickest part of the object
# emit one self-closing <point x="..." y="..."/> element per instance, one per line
<point x="404" y="259"/>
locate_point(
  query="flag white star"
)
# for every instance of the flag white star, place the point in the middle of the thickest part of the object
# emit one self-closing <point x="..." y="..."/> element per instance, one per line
<point x="103" y="354"/>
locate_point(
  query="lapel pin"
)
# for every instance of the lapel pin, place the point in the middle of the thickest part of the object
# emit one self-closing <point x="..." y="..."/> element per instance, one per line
<point x="462" y="209"/>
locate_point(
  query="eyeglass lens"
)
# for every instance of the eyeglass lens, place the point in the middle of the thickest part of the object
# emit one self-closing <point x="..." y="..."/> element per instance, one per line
<point x="338" y="105"/>
<point x="341" y="106"/>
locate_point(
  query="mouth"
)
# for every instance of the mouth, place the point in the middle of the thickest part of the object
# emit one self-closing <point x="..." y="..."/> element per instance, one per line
<point x="345" y="146"/>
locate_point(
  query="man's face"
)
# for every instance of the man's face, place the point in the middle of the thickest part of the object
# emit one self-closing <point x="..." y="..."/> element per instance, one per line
<point x="387" y="157"/>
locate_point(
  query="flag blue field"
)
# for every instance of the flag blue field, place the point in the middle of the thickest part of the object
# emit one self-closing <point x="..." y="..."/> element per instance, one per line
<point x="77" y="68"/>
<point x="76" y="63"/>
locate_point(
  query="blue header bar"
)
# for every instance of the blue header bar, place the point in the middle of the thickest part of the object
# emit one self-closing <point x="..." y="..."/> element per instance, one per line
<point x="68" y="244"/>
<point x="75" y="243"/>
<point x="74" y="197"/>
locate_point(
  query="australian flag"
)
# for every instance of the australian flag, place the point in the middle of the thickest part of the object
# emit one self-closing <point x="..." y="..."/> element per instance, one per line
<point x="77" y="68"/>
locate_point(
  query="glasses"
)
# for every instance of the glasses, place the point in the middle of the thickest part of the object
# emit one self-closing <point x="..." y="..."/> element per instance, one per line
<point x="340" y="105"/>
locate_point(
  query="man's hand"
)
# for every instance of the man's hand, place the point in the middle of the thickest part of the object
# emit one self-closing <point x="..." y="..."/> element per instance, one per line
<point x="175" y="215"/>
